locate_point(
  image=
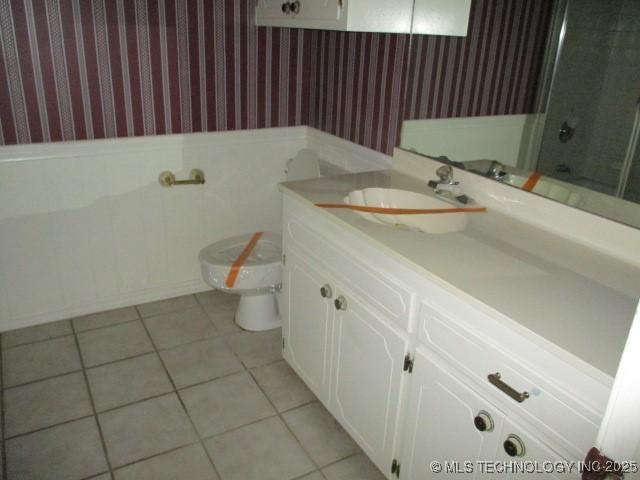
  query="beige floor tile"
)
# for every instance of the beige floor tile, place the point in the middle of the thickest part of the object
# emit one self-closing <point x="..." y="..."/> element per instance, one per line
<point x="114" y="343"/>
<point x="172" y="329"/>
<point x="188" y="463"/>
<point x="217" y="297"/>
<point x="320" y="434"/>
<point x="144" y="429"/>
<point x="167" y="306"/>
<point x="127" y="381"/>
<point x="358" y="467"/>
<point x="223" y="318"/>
<point x="36" y="333"/>
<point x="226" y="403"/>
<point x="273" y="452"/>
<point x="36" y="361"/>
<point x="312" y="476"/>
<point x="45" y="403"/>
<point x="257" y="348"/>
<point x="71" y="451"/>
<point x="282" y="385"/>
<point x="105" y="319"/>
<point x="200" y="361"/>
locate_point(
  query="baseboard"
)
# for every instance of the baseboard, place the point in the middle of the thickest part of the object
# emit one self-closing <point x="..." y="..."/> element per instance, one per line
<point x="118" y="301"/>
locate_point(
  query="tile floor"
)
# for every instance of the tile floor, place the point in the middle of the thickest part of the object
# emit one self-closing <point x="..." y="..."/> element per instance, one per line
<point x="166" y="390"/>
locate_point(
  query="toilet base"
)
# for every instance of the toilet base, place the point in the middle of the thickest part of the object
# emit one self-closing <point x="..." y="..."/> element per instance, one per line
<point x="258" y="312"/>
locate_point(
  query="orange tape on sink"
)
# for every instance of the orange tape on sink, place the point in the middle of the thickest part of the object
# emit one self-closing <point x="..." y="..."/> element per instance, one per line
<point x="232" y="276"/>
<point x="402" y="211"/>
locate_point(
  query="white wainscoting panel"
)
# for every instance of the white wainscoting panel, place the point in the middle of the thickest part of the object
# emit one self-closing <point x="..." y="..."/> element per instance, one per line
<point x="85" y="226"/>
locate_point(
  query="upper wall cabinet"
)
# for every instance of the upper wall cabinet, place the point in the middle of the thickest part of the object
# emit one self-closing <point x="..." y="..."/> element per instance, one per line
<point x="438" y="17"/>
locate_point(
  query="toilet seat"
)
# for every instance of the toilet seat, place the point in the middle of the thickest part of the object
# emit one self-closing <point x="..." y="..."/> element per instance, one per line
<point x="262" y="270"/>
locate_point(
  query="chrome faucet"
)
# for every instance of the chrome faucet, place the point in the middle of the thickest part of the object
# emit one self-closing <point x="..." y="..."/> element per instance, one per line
<point x="446" y="186"/>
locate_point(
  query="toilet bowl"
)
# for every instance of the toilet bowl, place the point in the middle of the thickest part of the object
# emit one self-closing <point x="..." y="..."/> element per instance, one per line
<point x="258" y="277"/>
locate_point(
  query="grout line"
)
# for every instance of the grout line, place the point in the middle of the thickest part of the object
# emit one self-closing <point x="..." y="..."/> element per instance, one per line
<point x="137" y="355"/>
<point x="317" y="467"/>
<point x="97" y="475"/>
<point x="32" y="342"/>
<point x="159" y="454"/>
<point x="93" y="404"/>
<point x="184" y="407"/>
<point x="49" y="427"/>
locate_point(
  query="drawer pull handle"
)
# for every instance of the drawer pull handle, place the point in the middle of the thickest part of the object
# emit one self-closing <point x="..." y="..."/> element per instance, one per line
<point x="495" y="379"/>
<point x="340" y="303"/>
<point x="325" y="291"/>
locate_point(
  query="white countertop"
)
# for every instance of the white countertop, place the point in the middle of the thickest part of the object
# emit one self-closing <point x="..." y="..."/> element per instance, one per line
<point x="579" y="299"/>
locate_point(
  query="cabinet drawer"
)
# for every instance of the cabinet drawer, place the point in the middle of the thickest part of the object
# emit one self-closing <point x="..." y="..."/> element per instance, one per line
<point x="548" y="407"/>
<point x="379" y="289"/>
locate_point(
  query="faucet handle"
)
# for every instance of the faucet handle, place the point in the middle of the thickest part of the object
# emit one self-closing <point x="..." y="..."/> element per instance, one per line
<point x="445" y="174"/>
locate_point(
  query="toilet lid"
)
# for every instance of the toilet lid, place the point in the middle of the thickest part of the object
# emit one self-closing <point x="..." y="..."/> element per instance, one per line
<point x="225" y="252"/>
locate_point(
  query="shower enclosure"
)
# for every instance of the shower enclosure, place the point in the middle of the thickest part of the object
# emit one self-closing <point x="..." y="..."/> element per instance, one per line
<point x="592" y="124"/>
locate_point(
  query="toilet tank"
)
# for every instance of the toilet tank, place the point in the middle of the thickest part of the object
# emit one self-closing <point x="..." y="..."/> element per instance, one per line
<point x="306" y="164"/>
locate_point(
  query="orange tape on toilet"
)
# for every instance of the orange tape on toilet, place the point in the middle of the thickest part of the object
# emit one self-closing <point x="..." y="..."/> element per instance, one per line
<point x="531" y="182"/>
<point x="232" y="276"/>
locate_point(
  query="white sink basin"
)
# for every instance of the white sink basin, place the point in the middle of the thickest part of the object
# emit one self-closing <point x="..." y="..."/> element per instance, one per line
<point x="392" y="198"/>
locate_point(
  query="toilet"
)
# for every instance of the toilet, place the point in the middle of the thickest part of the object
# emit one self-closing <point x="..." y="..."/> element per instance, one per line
<point x="250" y="265"/>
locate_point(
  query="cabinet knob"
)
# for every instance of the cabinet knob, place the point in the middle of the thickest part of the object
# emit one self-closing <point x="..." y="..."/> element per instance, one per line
<point x="325" y="291"/>
<point x="295" y="7"/>
<point x="514" y="446"/>
<point x="340" y="303"/>
<point x="286" y="7"/>
<point x="483" y="421"/>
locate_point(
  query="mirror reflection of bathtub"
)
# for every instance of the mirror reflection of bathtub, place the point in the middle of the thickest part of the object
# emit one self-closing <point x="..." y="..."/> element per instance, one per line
<point x="507" y="139"/>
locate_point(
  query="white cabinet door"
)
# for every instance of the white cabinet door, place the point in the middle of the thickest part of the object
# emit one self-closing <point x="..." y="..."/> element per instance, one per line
<point x="270" y="10"/>
<point x="441" y="426"/>
<point x="367" y="377"/>
<point x="319" y="10"/>
<point x="326" y="12"/>
<point x="532" y="459"/>
<point x="307" y="322"/>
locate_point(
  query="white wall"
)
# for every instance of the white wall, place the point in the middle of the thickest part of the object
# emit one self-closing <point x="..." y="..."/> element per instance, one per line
<point x="496" y="137"/>
<point x="85" y="226"/>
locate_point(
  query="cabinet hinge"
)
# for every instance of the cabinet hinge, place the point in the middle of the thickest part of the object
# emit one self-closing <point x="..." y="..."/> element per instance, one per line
<point x="395" y="468"/>
<point x="408" y="363"/>
<point x="283" y="343"/>
<point x="284" y="259"/>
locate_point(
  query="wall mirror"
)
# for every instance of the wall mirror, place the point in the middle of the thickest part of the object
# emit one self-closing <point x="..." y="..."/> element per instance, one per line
<point x="543" y="96"/>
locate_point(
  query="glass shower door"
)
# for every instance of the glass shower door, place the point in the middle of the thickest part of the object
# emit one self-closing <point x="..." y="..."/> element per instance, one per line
<point x="592" y="114"/>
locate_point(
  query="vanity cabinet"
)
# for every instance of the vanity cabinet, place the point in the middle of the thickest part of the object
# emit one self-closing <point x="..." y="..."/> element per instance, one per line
<point x="466" y="433"/>
<point x="307" y="300"/>
<point x="437" y="17"/>
<point x="347" y="351"/>
<point x="367" y="375"/>
<point x="441" y="424"/>
<point x="408" y="368"/>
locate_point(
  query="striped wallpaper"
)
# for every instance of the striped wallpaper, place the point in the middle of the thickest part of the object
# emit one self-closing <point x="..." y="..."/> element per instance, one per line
<point x="492" y="71"/>
<point x="82" y="69"/>
<point x="78" y="69"/>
